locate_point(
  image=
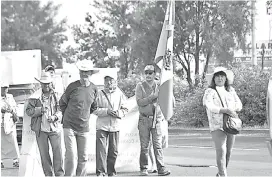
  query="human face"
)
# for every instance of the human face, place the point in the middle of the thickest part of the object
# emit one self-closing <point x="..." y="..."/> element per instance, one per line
<point x="110" y="83"/>
<point x="149" y="75"/>
<point x="85" y="76"/>
<point x="4" y="91"/>
<point x="220" y="79"/>
<point x="52" y="73"/>
<point x="45" y="87"/>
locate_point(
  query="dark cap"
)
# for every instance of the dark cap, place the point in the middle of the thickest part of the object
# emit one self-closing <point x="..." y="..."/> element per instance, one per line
<point x="49" y="68"/>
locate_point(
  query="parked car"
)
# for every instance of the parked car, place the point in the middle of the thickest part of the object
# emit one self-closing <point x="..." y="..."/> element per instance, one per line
<point x="21" y="93"/>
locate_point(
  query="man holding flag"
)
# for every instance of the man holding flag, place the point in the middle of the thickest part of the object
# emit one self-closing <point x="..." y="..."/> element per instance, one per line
<point x="146" y="96"/>
<point x="156" y="102"/>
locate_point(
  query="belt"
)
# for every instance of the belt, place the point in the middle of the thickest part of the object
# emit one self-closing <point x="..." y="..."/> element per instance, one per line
<point x="150" y="117"/>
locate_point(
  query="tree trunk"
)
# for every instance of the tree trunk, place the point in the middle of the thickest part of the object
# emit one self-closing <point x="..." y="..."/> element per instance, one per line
<point x="197" y="31"/>
<point x="207" y="63"/>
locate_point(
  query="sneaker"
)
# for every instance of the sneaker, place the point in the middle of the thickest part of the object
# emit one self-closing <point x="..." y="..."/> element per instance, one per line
<point x="153" y="171"/>
<point x="16" y="164"/>
<point x="112" y="174"/>
<point x="2" y="165"/>
<point x="163" y="172"/>
<point x="144" y="172"/>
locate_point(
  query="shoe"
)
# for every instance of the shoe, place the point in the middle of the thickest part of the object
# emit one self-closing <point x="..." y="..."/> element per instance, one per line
<point x="163" y="172"/>
<point x="2" y="165"/>
<point x="16" y="164"/>
<point x="154" y="171"/>
<point x="112" y="174"/>
<point x="144" y="172"/>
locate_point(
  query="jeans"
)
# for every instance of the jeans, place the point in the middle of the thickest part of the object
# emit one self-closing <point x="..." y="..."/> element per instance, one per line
<point x="145" y="130"/>
<point x="106" y="139"/>
<point x="55" y="141"/>
<point x="223" y="145"/>
<point x="76" y="149"/>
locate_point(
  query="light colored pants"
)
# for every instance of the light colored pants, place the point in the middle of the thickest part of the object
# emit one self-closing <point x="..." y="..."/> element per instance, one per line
<point x="76" y="148"/>
<point x="223" y="144"/>
<point x="105" y="159"/>
<point x="43" y="143"/>
<point x="145" y="130"/>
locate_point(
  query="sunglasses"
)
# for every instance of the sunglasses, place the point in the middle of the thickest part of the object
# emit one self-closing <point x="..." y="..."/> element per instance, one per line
<point x="149" y="72"/>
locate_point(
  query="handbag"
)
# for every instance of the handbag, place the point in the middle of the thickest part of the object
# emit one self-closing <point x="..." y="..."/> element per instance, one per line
<point x="8" y="123"/>
<point x="231" y="125"/>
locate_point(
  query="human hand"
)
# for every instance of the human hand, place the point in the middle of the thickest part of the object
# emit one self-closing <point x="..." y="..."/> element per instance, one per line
<point x="232" y="113"/>
<point x="112" y="113"/>
<point x="51" y="119"/>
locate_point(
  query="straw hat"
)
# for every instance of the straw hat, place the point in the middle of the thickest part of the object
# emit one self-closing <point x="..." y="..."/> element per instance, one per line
<point x="45" y="78"/>
<point x="86" y="65"/>
<point x="229" y="74"/>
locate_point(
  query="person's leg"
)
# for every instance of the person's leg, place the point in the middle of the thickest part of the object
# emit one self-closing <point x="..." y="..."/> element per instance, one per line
<point x="158" y="151"/>
<point x="230" y="143"/>
<point x="101" y="145"/>
<point x="82" y="143"/>
<point x="153" y="166"/>
<point x="16" y="148"/>
<point x="112" y="152"/>
<point x="70" y="151"/>
<point x="144" y="133"/>
<point x="55" y="140"/>
<point x="219" y="137"/>
<point x="43" y="145"/>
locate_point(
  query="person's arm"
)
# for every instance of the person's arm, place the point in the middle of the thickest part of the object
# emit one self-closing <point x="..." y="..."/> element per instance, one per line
<point x="141" y="100"/>
<point x="94" y="104"/>
<point x="32" y="110"/>
<point x="101" y="110"/>
<point x="123" y="109"/>
<point x="64" y="99"/>
<point x="238" y="103"/>
<point x="58" y="113"/>
<point x="208" y="101"/>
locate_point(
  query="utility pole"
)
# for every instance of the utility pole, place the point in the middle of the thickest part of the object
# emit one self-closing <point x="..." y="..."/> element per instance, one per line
<point x="253" y="43"/>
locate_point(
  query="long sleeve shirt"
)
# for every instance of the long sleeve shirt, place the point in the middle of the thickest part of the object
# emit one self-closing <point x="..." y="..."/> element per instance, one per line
<point x="5" y="103"/>
<point x="213" y="105"/>
<point x="145" y="100"/>
<point x="117" y="102"/>
<point x="34" y="109"/>
<point x="77" y="103"/>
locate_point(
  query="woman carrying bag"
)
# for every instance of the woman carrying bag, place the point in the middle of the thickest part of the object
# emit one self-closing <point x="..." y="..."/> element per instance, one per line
<point x="219" y="99"/>
<point x="9" y="144"/>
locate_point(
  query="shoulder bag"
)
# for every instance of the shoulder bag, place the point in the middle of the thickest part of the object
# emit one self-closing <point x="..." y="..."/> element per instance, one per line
<point x="231" y="125"/>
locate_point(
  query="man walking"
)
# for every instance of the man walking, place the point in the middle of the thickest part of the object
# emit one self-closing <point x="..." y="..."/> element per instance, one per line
<point x="110" y="103"/>
<point x="46" y="118"/>
<point x="77" y="103"/>
<point x="146" y="97"/>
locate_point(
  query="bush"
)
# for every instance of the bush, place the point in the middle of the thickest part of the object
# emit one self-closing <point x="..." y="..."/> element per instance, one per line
<point x="128" y="85"/>
<point x="251" y="86"/>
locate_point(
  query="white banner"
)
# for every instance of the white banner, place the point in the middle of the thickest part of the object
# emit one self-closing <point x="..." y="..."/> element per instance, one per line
<point x="129" y="146"/>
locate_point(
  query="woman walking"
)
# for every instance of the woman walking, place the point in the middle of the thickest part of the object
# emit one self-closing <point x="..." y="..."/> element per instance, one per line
<point x="218" y="90"/>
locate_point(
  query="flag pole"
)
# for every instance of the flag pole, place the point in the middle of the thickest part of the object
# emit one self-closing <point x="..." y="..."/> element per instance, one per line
<point x="165" y="26"/>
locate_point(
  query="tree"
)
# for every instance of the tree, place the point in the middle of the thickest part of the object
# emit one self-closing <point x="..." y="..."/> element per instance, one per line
<point x="27" y="25"/>
<point x="210" y="29"/>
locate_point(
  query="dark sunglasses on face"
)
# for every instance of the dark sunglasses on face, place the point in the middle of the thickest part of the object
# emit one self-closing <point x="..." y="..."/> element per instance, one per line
<point x="149" y="72"/>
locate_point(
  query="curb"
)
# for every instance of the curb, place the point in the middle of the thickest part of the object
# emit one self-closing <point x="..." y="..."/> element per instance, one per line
<point x="172" y="130"/>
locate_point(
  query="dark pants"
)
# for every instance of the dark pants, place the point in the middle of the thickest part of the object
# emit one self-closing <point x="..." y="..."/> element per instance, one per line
<point x="55" y="140"/>
<point x="145" y="129"/>
<point x="106" y="139"/>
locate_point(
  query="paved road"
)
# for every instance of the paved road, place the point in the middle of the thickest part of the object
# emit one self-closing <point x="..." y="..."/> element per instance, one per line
<point x="191" y="153"/>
